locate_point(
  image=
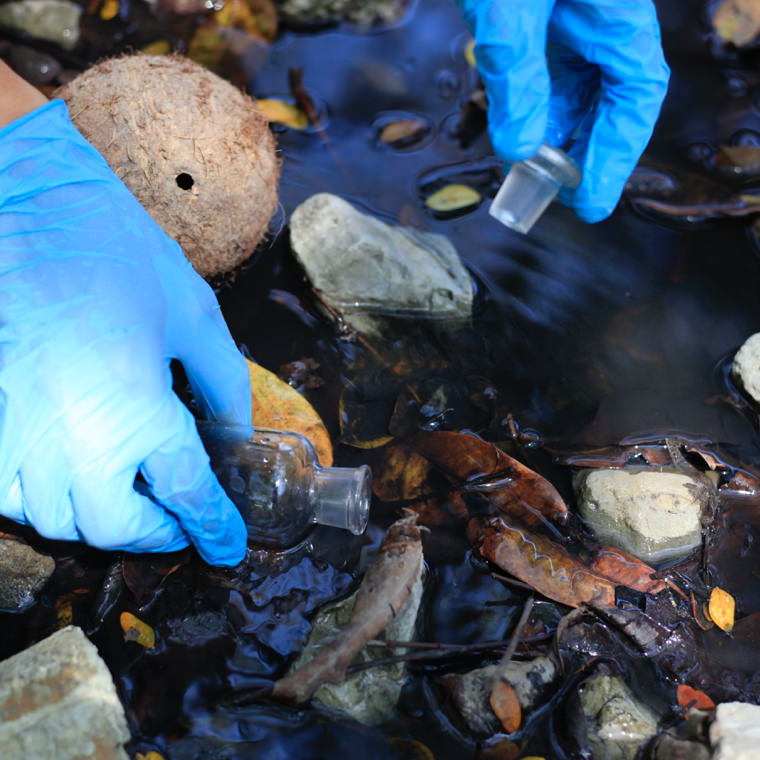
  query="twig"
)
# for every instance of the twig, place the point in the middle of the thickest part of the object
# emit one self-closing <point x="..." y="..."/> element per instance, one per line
<point x="515" y="640"/>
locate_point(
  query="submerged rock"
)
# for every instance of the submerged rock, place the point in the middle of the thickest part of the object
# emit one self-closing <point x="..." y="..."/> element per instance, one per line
<point x="365" y="13"/>
<point x="58" y="702"/>
<point x="23" y="572"/>
<point x="735" y="733"/>
<point x="368" y="696"/>
<point x="747" y="366"/>
<point x="618" y="724"/>
<point x="52" y="20"/>
<point x="654" y="514"/>
<point x="367" y="269"/>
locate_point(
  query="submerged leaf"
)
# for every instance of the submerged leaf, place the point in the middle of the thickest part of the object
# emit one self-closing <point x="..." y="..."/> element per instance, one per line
<point x="136" y="630"/>
<point x="737" y="21"/>
<point x="469" y="54"/>
<point x="403" y="130"/>
<point x="689" y="697"/>
<point x="506" y="706"/>
<point x="277" y="406"/>
<point x="255" y="17"/>
<point x="453" y="198"/>
<point x="721" y="609"/>
<point x="626" y="570"/>
<point x="283" y="113"/>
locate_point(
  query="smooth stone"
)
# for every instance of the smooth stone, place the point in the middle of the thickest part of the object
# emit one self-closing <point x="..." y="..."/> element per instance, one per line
<point x="58" y="702"/>
<point x="618" y="724"/>
<point x="746" y="367"/>
<point x="735" y="732"/>
<point x="654" y="514"/>
<point x="52" y="20"/>
<point x="367" y="269"/>
<point x="23" y="572"/>
<point x="368" y="696"/>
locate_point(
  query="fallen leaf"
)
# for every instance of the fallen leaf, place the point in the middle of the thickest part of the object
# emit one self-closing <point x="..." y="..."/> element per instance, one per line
<point x="506" y="706"/>
<point x="255" y="17"/>
<point x="737" y="21"/>
<point x="109" y="9"/>
<point x="453" y="198"/>
<point x="157" y="47"/>
<point x="469" y="54"/>
<point x="152" y="755"/>
<point x="64" y="613"/>
<point x="277" y="406"/>
<point x="475" y="465"/>
<point x="404" y="130"/>
<point x="543" y="564"/>
<point x="136" y="630"/>
<point x="624" y="569"/>
<point x="721" y="609"/>
<point x="688" y="697"/>
<point x="283" y="113"/>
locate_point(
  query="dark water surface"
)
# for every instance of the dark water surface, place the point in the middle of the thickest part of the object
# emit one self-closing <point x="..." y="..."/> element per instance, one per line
<point x="586" y="334"/>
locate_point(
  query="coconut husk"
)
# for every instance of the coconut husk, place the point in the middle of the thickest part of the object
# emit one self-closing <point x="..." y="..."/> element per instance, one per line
<point x="193" y="149"/>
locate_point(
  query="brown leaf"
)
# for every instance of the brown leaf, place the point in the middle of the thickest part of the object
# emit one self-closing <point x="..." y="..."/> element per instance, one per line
<point x="481" y="467"/>
<point x="506" y="706"/>
<point x="625" y="569"/>
<point x="277" y="406"/>
<point x="544" y="565"/>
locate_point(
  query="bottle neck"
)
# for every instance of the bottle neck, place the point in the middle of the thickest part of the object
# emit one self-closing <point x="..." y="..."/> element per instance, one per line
<point x="342" y="496"/>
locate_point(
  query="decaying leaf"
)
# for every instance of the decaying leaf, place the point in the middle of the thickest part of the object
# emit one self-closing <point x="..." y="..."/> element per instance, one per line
<point x="152" y="755"/>
<point x="283" y="113"/>
<point x="506" y="706"/>
<point x="277" y="406"/>
<point x="136" y="630"/>
<point x="109" y="10"/>
<point x="410" y="749"/>
<point x="625" y="569"/>
<point x="543" y="564"/>
<point x="737" y="21"/>
<point x="742" y="159"/>
<point x="255" y="17"/>
<point x="688" y="697"/>
<point x="469" y="54"/>
<point x="453" y="197"/>
<point x="404" y="130"/>
<point x="157" y="47"/>
<point x="383" y="591"/>
<point x="721" y="609"/>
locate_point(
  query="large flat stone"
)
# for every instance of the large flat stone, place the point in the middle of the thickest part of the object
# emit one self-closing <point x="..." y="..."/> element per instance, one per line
<point x="735" y="733"/>
<point x="58" y="702"/>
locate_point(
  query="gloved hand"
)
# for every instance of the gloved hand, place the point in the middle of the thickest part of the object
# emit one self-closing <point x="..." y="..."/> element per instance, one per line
<point x="551" y="67"/>
<point x="95" y="300"/>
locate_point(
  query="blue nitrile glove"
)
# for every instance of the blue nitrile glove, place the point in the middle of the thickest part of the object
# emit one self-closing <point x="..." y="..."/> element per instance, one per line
<point x="95" y="300"/>
<point x="553" y="67"/>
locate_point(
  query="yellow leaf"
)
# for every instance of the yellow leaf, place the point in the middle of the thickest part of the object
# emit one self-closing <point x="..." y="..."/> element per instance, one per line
<point x="109" y="9"/>
<point x="469" y="54"/>
<point x="256" y="17"/>
<point x="207" y="47"/>
<point x="136" y="630"/>
<point x="158" y="47"/>
<point x="152" y="755"/>
<point x="453" y="198"/>
<point x="722" y="608"/>
<point x="737" y="21"/>
<point x="402" y="130"/>
<point x="277" y="406"/>
<point x="64" y="613"/>
<point x="283" y="113"/>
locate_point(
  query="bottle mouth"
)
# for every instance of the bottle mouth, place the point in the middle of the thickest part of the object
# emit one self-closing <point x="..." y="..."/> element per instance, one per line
<point x="343" y="497"/>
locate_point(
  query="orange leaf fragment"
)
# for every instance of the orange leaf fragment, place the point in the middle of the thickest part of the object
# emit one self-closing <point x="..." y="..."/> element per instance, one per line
<point x="625" y="570"/>
<point x="136" y="630"/>
<point x="152" y="755"/>
<point x="722" y="609"/>
<point x="689" y="697"/>
<point x="506" y="706"/>
<point x="278" y="406"/>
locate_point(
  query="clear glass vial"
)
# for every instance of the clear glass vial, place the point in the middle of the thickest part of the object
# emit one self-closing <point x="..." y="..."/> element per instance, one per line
<point x="531" y="185"/>
<point x="274" y="479"/>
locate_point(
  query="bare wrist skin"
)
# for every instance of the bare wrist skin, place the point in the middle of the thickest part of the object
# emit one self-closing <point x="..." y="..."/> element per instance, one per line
<point x="17" y="96"/>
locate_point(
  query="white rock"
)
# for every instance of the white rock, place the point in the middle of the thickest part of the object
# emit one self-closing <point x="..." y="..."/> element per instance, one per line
<point x="53" y="20"/>
<point x="747" y="366"/>
<point x="653" y="514"/>
<point x="367" y="269"/>
<point x="618" y="724"/>
<point x="735" y="733"/>
<point x="58" y="702"/>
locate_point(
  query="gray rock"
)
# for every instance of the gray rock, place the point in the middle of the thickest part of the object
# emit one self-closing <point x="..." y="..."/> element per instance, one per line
<point x="735" y="732"/>
<point x="368" y="696"/>
<point x="470" y="692"/>
<point x="618" y="724"/>
<point x="746" y="367"/>
<point x="53" y="20"/>
<point x="667" y="747"/>
<point x="652" y="513"/>
<point x="365" y="13"/>
<point x="23" y="572"/>
<point x="58" y="702"/>
<point x="367" y="269"/>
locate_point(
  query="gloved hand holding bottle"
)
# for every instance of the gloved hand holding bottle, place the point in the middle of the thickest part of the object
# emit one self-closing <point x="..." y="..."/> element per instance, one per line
<point x="95" y="300"/>
<point x="588" y="70"/>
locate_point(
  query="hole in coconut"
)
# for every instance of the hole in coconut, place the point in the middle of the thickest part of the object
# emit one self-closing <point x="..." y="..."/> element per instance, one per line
<point x="185" y="181"/>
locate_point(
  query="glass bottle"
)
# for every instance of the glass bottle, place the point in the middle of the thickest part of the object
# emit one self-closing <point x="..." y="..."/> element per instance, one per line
<point x="274" y="479"/>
